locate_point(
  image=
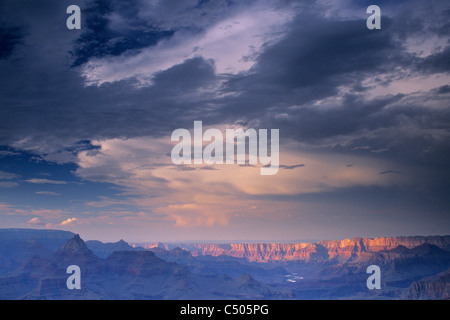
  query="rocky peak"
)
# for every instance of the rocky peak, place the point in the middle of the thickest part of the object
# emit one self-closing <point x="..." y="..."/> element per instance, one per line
<point x="75" y="245"/>
<point x="427" y="248"/>
<point x="400" y="249"/>
<point x="247" y="279"/>
<point x="179" y="252"/>
<point x="75" y="252"/>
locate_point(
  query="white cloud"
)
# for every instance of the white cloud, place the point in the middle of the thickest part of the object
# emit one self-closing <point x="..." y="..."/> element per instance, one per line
<point x="48" y="193"/>
<point x="69" y="221"/>
<point x="8" y="175"/>
<point x="35" y="221"/>
<point x="45" y="181"/>
<point x="233" y="44"/>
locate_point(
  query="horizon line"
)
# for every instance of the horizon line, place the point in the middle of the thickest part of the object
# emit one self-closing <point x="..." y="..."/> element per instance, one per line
<point x="295" y="241"/>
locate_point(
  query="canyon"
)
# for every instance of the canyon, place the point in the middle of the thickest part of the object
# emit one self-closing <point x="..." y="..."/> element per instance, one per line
<point x="33" y="266"/>
<point x="321" y="251"/>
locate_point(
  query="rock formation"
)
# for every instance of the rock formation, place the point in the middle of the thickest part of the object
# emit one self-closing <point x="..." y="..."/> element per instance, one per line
<point x="335" y="250"/>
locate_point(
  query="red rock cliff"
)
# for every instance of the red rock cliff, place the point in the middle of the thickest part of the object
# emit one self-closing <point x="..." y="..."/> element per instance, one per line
<point x="340" y="250"/>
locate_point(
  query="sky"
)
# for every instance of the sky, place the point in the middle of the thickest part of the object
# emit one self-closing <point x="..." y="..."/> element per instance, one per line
<point x="86" y="118"/>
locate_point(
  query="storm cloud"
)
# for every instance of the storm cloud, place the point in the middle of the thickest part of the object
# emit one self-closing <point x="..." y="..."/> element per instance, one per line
<point x="141" y="69"/>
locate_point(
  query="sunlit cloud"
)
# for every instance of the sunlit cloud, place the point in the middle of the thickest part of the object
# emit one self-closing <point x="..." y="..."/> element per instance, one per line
<point x="4" y="207"/>
<point x="69" y="221"/>
<point x="35" y="221"/>
<point x="197" y="197"/>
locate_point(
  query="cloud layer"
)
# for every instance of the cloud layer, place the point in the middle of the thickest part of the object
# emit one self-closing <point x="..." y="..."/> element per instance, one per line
<point x="357" y="109"/>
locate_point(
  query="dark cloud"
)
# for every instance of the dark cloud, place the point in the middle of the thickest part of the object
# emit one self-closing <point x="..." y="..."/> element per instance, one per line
<point x="292" y="167"/>
<point x="389" y="172"/>
<point x="208" y="168"/>
<point x="443" y="89"/>
<point x="320" y="51"/>
<point x="184" y="78"/>
<point x="49" y="108"/>
<point x="102" y="38"/>
<point x="311" y="123"/>
<point x="437" y="62"/>
<point x="10" y="37"/>
<point x="116" y="27"/>
<point x="312" y="62"/>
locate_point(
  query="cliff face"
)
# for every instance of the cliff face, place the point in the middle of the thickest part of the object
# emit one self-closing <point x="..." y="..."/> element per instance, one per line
<point x="435" y="287"/>
<point x="336" y="250"/>
<point x="259" y="251"/>
<point x="141" y="263"/>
